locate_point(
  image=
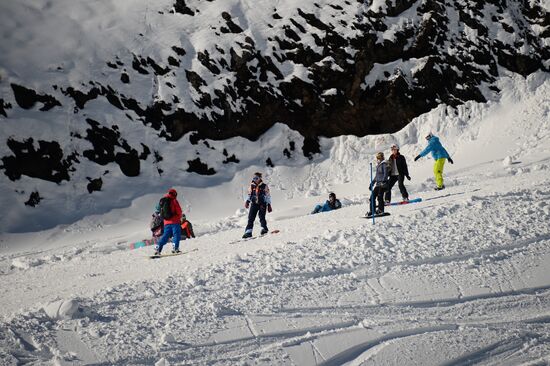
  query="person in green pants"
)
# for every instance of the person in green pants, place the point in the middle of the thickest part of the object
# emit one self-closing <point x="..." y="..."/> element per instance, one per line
<point x="439" y="154"/>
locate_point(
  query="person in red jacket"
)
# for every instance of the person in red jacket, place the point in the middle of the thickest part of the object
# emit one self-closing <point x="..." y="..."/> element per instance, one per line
<point x="186" y="228"/>
<point x="172" y="228"/>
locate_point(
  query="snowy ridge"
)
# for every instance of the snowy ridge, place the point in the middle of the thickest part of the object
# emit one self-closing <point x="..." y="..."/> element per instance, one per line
<point x="460" y="277"/>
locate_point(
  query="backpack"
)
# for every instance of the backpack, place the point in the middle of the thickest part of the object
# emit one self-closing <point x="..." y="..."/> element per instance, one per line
<point x="156" y="222"/>
<point x="165" y="205"/>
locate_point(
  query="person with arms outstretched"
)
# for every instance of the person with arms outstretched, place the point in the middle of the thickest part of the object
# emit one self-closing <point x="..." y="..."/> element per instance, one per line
<point x="439" y="154"/>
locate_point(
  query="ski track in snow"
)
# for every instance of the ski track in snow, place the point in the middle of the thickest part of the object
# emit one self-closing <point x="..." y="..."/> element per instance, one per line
<point x="459" y="278"/>
<point x="349" y="292"/>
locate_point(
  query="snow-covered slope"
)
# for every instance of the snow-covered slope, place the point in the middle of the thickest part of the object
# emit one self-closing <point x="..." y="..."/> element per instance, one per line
<point x="460" y="278"/>
<point x="98" y="96"/>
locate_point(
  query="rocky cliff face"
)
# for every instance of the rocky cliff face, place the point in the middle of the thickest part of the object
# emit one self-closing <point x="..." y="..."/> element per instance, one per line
<point x="222" y="69"/>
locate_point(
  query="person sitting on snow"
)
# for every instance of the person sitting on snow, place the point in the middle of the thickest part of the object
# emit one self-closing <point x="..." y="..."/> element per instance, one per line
<point x="186" y="228"/>
<point x="331" y="204"/>
<point x="439" y="154"/>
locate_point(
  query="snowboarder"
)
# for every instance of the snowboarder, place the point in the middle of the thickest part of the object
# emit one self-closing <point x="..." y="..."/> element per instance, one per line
<point x="379" y="185"/>
<point x="258" y="200"/>
<point x="439" y="154"/>
<point x="331" y="204"/>
<point x="186" y="228"/>
<point x="170" y="211"/>
<point x="399" y="171"/>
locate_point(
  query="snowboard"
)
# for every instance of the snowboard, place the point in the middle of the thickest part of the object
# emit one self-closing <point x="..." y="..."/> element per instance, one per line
<point x="380" y="215"/>
<point x="142" y="243"/>
<point x="254" y="237"/>
<point x="404" y="202"/>
<point x="163" y="255"/>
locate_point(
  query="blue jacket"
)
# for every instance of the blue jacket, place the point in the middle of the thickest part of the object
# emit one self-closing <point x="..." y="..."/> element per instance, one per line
<point x="435" y="147"/>
<point x="327" y="206"/>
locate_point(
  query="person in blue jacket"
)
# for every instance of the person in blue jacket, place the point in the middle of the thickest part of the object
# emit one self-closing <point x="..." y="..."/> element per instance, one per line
<point x="331" y="204"/>
<point x="439" y="154"/>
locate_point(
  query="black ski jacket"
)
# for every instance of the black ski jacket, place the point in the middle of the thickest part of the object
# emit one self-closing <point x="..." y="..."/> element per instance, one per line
<point x="401" y="163"/>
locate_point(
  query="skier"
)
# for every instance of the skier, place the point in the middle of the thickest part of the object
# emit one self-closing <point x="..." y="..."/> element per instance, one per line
<point x="379" y="185"/>
<point x="170" y="211"/>
<point x="399" y="171"/>
<point x="439" y="154"/>
<point x="186" y="228"/>
<point x="258" y="200"/>
<point x="331" y="204"/>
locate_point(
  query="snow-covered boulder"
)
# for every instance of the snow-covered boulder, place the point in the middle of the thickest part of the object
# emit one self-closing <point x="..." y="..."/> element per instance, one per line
<point x="65" y="309"/>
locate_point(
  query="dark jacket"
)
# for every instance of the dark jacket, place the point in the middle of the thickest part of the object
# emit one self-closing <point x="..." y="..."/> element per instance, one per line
<point x="401" y="163"/>
<point x="258" y="193"/>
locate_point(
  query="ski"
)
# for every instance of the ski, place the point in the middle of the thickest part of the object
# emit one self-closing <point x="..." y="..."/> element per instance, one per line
<point x="379" y="215"/>
<point x="171" y="254"/>
<point x="404" y="202"/>
<point x="254" y="237"/>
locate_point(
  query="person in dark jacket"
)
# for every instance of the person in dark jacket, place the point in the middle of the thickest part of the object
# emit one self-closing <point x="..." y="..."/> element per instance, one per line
<point x="259" y="201"/>
<point x="379" y="185"/>
<point x="331" y="204"/>
<point x="172" y="227"/>
<point x="399" y="171"/>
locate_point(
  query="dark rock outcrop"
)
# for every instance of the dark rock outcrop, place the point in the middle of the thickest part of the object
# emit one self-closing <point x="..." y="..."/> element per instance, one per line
<point x="27" y="98"/>
<point x="94" y="185"/>
<point x="48" y="162"/>
<point x="34" y="199"/>
<point x="197" y="166"/>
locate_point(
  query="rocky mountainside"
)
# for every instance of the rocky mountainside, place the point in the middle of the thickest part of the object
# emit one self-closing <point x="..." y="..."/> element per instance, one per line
<point x="88" y="87"/>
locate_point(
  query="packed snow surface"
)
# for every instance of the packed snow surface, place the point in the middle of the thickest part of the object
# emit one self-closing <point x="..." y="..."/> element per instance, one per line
<point x="459" y="278"/>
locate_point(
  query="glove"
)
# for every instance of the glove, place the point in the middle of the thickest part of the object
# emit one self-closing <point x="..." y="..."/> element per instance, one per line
<point x="417" y="157"/>
<point x="269" y="209"/>
<point x="247" y="204"/>
<point x="450" y="160"/>
<point x="408" y="177"/>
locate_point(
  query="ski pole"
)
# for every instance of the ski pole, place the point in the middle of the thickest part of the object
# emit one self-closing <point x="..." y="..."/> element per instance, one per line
<point x="371" y="193"/>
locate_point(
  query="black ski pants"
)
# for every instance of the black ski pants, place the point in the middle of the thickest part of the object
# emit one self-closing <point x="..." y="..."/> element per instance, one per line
<point x="400" y="179"/>
<point x="377" y="193"/>
<point x="256" y="209"/>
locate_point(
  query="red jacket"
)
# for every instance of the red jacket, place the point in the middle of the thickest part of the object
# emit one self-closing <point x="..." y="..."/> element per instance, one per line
<point x="176" y="208"/>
